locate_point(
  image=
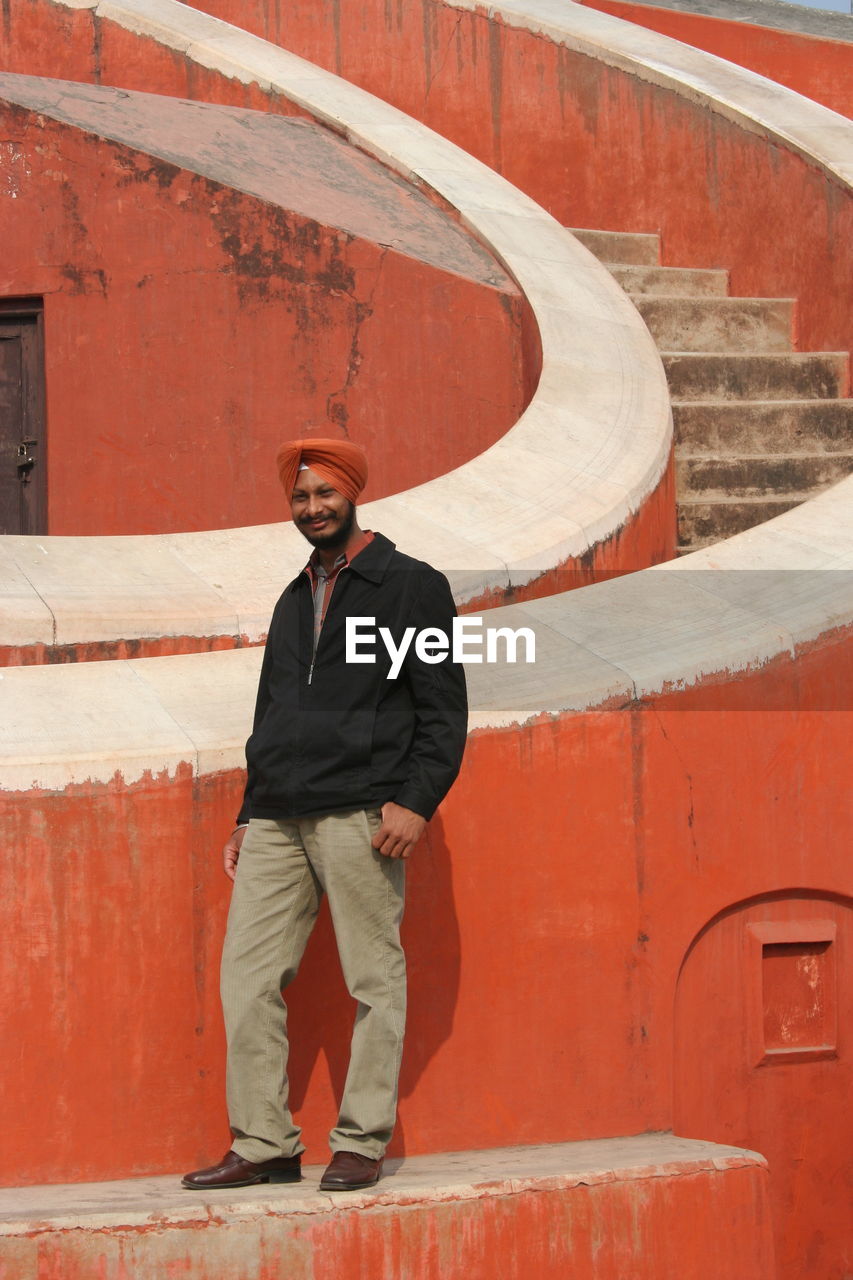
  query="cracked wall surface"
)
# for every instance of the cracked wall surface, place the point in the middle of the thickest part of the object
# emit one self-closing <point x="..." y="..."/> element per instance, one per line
<point x="217" y="280"/>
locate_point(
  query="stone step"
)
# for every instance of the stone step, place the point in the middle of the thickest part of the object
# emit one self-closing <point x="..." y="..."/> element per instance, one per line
<point x="733" y="376"/>
<point x="670" y="281"/>
<point x="777" y="426"/>
<point x="758" y="475"/>
<point x="620" y="246"/>
<point x="704" y="521"/>
<point x="512" y="1213"/>
<point x="687" y="548"/>
<point x="718" y="324"/>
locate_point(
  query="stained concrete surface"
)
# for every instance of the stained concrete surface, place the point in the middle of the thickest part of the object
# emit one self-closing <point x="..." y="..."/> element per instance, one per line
<point x="419" y="1179"/>
<point x="291" y="163"/>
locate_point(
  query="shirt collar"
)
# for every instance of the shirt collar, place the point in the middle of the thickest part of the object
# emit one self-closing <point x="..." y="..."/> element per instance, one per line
<point x="314" y="569"/>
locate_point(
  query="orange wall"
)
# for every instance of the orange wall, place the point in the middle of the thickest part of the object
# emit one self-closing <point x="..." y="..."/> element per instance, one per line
<point x="575" y="927"/>
<point x="594" y="145"/>
<point x="819" y="68"/>
<point x="460" y="411"/>
<point x="174" y="367"/>
<point x="561" y="891"/>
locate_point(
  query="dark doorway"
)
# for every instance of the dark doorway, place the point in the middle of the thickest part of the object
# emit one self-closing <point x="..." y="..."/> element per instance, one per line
<point x="23" y="471"/>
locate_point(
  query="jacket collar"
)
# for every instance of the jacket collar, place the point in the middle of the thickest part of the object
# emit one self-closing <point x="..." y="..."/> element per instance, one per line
<point x="371" y="563"/>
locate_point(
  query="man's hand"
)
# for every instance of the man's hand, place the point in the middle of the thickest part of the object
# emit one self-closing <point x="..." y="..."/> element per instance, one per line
<point x="231" y="852"/>
<point x="400" y="831"/>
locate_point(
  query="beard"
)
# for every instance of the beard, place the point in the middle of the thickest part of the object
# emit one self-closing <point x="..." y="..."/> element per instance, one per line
<point x="337" y="535"/>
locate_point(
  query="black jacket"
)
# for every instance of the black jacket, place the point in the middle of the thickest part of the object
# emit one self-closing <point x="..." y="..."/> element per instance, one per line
<point x="342" y="735"/>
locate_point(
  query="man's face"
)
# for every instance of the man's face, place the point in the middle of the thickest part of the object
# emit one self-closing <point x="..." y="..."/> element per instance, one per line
<point x="324" y="516"/>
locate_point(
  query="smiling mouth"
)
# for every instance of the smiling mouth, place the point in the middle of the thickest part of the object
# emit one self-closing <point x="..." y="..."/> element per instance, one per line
<point x="329" y="529"/>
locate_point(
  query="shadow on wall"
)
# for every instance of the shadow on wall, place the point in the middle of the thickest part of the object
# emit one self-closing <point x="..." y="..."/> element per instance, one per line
<point x="320" y="1011"/>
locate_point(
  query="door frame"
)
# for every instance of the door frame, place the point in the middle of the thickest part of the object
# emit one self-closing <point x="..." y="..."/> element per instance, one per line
<point x="30" y="311"/>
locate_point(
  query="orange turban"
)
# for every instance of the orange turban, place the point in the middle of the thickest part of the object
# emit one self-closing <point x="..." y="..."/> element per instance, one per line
<point x="339" y="462"/>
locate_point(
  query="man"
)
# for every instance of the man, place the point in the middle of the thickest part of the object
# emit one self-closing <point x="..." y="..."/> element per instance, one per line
<point x="346" y="765"/>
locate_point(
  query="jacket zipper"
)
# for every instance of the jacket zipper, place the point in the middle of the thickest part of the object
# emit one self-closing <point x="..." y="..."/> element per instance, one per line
<point x="342" y="569"/>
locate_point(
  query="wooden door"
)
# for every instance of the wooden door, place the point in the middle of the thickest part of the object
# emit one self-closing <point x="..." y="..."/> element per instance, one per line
<point x="23" y="473"/>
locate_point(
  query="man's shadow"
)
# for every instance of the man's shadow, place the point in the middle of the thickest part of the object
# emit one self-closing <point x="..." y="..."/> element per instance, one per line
<point x="320" y="1011"/>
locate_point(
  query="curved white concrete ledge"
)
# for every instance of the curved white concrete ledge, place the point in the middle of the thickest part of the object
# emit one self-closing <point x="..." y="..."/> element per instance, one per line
<point x="590" y="448"/>
<point x="762" y="595"/>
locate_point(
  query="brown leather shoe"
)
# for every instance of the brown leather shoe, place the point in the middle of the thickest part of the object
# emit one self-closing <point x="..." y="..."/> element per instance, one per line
<point x="234" y="1171"/>
<point x="350" y="1171"/>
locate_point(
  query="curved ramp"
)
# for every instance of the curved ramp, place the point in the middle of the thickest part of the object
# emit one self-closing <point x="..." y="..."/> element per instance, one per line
<point x="769" y="593"/>
<point x="591" y="449"/>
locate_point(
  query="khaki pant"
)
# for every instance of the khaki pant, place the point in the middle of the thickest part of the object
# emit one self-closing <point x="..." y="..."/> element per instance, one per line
<point x="283" y="871"/>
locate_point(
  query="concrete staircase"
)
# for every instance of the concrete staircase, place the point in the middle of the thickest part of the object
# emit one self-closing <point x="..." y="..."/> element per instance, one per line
<point x="759" y="427"/>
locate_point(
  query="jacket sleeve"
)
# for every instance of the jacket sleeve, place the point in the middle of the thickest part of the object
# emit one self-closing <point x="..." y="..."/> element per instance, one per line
<point x="441" y="706"/>
<point x="262" y="702"/>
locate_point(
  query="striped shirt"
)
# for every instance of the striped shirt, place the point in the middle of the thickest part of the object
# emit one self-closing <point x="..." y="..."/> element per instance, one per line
<point x="323" y="580"/>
